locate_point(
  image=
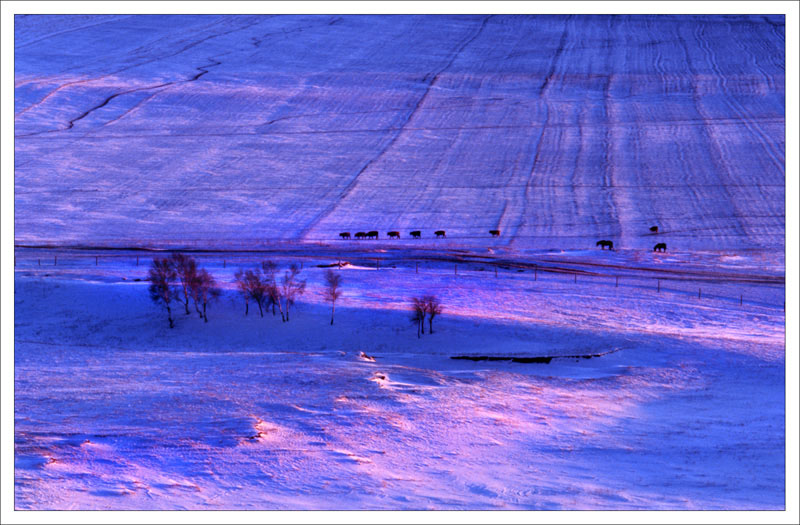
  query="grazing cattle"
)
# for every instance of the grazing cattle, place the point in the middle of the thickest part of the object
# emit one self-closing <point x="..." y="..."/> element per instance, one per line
<point x="654" y="229"/>
<point x="393" y="235"/>
<point x="416" y="234"/>
<point x="344" y="235"/>
<point x="440" y="233"/>
<point x="603" y="244"/>
<point x="372" y="235"/>
<point x="660" y="247"/>
<point x="495" y="233"/>
<point x="360" y="235"/>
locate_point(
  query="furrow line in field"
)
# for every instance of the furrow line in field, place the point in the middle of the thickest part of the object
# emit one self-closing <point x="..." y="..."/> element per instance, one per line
<point x="138" y="64"/>
<point x="554" y="62"/>
<point x="382" y="151"/>
<point x="71" y="30"/>
<point x="720" y="168"/>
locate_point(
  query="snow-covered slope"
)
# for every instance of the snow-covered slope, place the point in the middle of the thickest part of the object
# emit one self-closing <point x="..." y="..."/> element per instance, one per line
<point x="231" y="131"/>
<point x="114" y="410"/>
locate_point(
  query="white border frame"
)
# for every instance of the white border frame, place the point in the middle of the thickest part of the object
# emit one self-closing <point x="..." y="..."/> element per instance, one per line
<point x="9" y="8"/>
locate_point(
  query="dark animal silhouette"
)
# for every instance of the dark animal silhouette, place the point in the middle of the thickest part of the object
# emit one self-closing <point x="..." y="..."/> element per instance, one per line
<point x="360" y="235"/>
<point x="372" y="235"/>
<point x="416" y="234"/>
<point x="660" y="247"/>
<point x="440" y="233"/>
<point x="393" y="235"/>
<point x="654" y="229"/>
<point x="344" y="235"/>
<point x="603" y="244"/>
<point x="495" y="233"/>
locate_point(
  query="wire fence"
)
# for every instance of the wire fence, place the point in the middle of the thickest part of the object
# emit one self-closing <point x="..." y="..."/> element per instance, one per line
<point x="733" y="289"/>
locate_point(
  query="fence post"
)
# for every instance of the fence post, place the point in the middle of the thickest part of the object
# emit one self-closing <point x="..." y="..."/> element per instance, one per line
<point x="455" y="269"/>
<point x="224" y="263"/>
<point x="659" y="285"/>
<point x="576" y="277"/>
<point x="39" y="261"/>
<point x="416" y="267"/>
<point x="495" y="271"/>
<point x="95" y="260"/>
<point x="535" y="273"/>
<point x="616" y="281"/>
<point x="55" y="260"/>
<point x="699" y="293"/>
<point x="137" y="260"/>
<point x="740" y="300"/>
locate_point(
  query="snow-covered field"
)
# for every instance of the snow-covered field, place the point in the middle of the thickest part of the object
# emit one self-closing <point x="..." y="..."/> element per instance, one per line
<point x="685" y="411"/>
<point x="235" y="131"/>
<point x="264" y="137"/>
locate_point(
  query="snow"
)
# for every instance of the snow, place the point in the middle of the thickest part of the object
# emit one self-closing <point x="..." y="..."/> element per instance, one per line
<point x="556" y="130"/>
<point x="116" y="411"/>
<point x="251" y="138"/>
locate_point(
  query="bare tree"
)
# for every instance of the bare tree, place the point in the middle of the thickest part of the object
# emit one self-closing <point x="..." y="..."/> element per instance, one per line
<point x="274" y="298"/>
<point x="241" y="285"/>
<point x="162" y="276"/>
<point x="251" y="285"/>
<point x="256" y="287"/>
<point x="433" y="308"/>
<point x="206" y="289"/>
<point x="333" y="282"/>
<point x="194" y="292"/>
<point x="291" y="287"/>
<point x="418" y="310"/>
<point x="273" y="292"/>
<point x="186" y="269"/>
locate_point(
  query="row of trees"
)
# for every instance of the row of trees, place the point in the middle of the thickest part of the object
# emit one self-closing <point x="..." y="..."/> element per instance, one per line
<point x="177" y="278"/>
<point x="261" y="286"/>
<point x="169" y="276"/>
<point x="422" y="307"/>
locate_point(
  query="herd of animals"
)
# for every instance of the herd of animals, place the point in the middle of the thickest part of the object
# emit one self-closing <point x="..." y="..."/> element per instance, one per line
<point x="660" y="247"/>
<point x="417" y="234"/>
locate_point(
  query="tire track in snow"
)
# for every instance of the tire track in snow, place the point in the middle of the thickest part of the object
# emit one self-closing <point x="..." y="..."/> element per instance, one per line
<point x="133" y="108"/>
<point x="354" y="181"/>
<point x="622" y="161"/>
<point x="715" y="153"/>
<point x="752" y="123"/>
<point x="661" y="124"/>
<point x="488" y="102"/>
<point x="138" y="64"/>
<point x="526" y="195"/>
<point x="58" y="33"/>
<point x="739" y="110"/>
<point x="203" y="71"/>
<point x="556" y="57"/>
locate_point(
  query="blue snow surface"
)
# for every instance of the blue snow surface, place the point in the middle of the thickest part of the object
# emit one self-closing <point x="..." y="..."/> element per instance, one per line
<point x="240" y="131"/>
